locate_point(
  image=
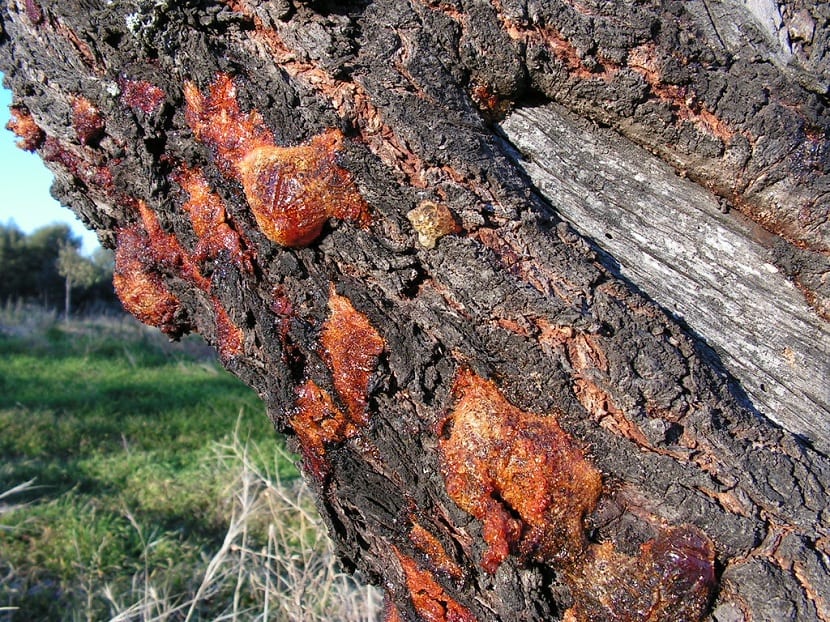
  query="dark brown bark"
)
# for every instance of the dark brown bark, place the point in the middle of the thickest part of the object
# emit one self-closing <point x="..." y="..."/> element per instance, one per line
<point x="496" y="427"/>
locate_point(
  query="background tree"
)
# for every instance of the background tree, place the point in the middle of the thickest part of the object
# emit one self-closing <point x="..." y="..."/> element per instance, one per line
<point x="38" y="268"/>
<point x="496" y="425"/>
<point x="78" y="271"/>
<point x="43" y="248"/>
<point x="13" y="262"/>
<point x="100" y="296"/>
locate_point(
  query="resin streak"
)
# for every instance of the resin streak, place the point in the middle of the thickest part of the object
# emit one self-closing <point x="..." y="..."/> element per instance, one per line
<point x="429" y="599"/>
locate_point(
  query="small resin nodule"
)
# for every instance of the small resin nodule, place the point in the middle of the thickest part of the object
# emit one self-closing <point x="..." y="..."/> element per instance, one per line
<point x="292" y="191"/>
<point x="87" y="121"/>
<point x="145" y="255"/>
<point x="432" y="221"/>
<point x="141" y="95"/>
<point x="25" y="128"/>
<point x="427" y="544"/>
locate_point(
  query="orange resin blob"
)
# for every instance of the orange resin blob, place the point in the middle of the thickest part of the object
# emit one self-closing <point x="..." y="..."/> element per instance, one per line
<point x="530" y="485"/>
<point x="80" y="165"/>
<point x="317" y="423"/>
<point x="144" y="253"/>
<point x="138" y="284"/>
<point x="430" y="600"/>
<point x="24" y="127"/>
<point x="292" y="191"/>
<point x="351" y="347"/>
<point x="205" y="208"/>
<point x="671" y="579"/>
<point x="517" y="472"/>
<point x="169" y="255"/>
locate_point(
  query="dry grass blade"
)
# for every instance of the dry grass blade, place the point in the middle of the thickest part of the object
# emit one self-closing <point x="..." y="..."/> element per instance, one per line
<point x="9" y="507"/>
<point x="275" y="562"/>
<point x="17" y="489"/>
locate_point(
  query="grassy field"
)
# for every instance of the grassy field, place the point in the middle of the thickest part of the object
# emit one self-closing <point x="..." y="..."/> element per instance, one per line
<point x="140" y="481"/>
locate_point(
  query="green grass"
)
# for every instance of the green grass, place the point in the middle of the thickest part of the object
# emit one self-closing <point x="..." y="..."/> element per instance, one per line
<point x="143" y="456"/>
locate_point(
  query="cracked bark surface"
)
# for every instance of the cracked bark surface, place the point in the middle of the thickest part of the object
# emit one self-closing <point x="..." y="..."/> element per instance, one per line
<point x="498" y="427"/>
<point x="705" y="265"/>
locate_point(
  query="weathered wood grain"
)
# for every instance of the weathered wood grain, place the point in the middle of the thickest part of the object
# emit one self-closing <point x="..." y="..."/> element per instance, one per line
<point x="742" y="110"/>
<point x="712" y="270"/>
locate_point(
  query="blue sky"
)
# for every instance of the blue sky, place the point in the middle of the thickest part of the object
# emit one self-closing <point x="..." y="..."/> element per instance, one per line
<point x="24" y="187"/>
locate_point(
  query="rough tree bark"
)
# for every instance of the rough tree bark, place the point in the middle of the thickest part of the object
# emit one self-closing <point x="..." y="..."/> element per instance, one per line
<point x="497" y="423"/>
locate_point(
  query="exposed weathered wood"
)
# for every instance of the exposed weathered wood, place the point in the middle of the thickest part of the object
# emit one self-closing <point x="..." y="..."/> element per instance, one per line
<point x="496" y="427"/>
<point x="741" y="110"/>
<point x="672" y="240"/>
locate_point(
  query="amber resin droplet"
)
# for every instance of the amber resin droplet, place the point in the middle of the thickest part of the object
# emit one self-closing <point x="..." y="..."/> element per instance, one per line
<point x="432" y="221"/>
<point x="434" y="551"/>
<point x="530" y="485"/>
<point x="218" y="122"/>
<point x="350" y="347"/>
<point x="292" y="191"/>
<point x="517" y="472"/>
<point x="229" y="337"/>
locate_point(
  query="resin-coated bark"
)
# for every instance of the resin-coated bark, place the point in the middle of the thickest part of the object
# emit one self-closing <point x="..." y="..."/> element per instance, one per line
<point x="496" y="427"/>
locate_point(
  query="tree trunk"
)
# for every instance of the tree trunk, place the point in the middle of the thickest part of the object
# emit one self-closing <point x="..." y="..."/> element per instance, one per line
<point x="498" y="420"/>
<point x="67" y="298"/>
